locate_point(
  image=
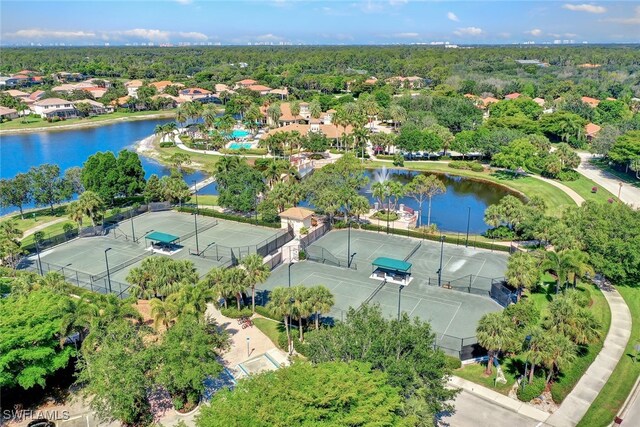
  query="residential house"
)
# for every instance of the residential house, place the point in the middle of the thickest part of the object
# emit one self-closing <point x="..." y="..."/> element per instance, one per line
<point x="245" y="83"/>
<point x="8" y="113"/>
<point x="17" y="94"/>
<point x="168" y="101"/>
<point x="485" y="102"/>
<point x="35" y="96"/>
<point x="539" y="101"/>
<point x="371" y="81"/>
<point x="332" y="132"/>
<point x="286" y="117"/>
<point x="54" y="107"/>
<point x="65" y="77"/>
<point x="413" y="82"/>
<point x="282" y="93"/>
<point x="198" y="94"/>
<point x="591" y="102"/>
<point x="96" y="107"/>
<point x="162" y="85"/>
<point x="132" y="87"/>
<point x="513" y="95"/>
<point x="591" y="130"/>
<point x="261" y="89"/>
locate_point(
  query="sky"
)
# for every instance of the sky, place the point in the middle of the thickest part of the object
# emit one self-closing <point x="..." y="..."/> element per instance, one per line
<point x="240" y="22"/>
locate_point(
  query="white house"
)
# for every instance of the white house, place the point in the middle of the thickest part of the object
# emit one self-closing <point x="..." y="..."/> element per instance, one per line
<point x="54" y="107"/>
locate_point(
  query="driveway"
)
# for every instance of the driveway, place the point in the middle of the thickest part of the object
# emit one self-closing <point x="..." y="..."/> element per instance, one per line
<point x="628" y="194"/>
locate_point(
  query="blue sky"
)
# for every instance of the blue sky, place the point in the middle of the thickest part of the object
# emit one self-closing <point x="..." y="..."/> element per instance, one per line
<point x="316" y="22"/>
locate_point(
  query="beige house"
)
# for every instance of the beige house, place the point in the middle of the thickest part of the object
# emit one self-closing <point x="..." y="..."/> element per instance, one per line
<point x="54" y="107"/>
<point x="96" y="107"/>
<point x="132" y="87"/>
<point x="296" y="218"/>
<point x="8" y="113"/>
<point x="332" y="132"/>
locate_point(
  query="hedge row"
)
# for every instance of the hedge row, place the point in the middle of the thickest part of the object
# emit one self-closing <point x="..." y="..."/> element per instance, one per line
<point x="435" y="237"/>
<point x="230" y="217"/>
<point x="469" y="165"/>
<point x="234" y="313"/>
<point x="251" y="151"/>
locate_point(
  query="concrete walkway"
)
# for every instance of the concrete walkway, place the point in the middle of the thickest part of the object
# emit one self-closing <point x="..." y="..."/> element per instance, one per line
<point x="37" y="228"/>
<point x="628" y="193"/>
<point x="516" y="406"/>
<point x="586" y="390"/>
<point x="568" y="191"/>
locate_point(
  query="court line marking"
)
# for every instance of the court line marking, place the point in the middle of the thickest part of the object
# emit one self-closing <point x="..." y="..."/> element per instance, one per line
<point x="452" y="318"/>
<point x="478" y="273"/>
<point x="416" y="306"/>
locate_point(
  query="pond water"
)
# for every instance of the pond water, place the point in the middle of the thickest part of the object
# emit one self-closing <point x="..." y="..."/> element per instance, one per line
<point x="465" y="199"/>
<point x="19" y="152"/>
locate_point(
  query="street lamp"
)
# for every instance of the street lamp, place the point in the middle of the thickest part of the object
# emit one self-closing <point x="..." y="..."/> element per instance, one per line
<point x="468" y="222"/>
<point x="290" y="264"/>
<point x="39" y="260"/>
<point x="195" y="216"/>
<point x="291" y="301"/>
<point x="619" y="189"/>
<point x="133" y="230"/>
<point x="351" y="259"/>
<point x="441" y="252"/>
<point x="348" y="242"/>
<point x="248" y="351"/>
<point x="527" y="341"/>
<point x="106" y="260"/>
<point x="399" y="298"/>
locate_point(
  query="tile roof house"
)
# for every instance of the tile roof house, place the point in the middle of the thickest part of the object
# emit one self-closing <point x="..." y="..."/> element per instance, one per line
<point x="261" y="89"/>
<point x="96" y="107"/>
<point x="14" y="93"/>
<point x="592" y="102"/>
<point x="162" y="85"/>
<point x="513" y="95"/>
<point x="296" y="218"/>
<point x="54" y="107"/>
<point x="132" y="87"/>
<point x="413" y="82"/>
<point x="591" y="130"/>
<point x="282" y="93"/>
<point x="330" y="131"/>
<point x="197" y="94"/>
<point x="245" y="83"/>
<point x="539" y="101"/>
<point x="8" y="113"/>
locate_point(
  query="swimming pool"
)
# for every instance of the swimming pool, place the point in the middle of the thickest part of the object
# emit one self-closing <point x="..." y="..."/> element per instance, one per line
<point x="237" y="133"/>
<point x="240" y="145"/>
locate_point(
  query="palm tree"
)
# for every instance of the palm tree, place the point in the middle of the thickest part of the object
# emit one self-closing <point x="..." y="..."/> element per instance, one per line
<point x="398" y="115"/>
<point x="192" y="300"/>
<point x="522" y="271"/>
<point x="76" y="213"/>
<point x="560" y="263"/>
<point x="209" y="115"/>
<point x="495" y="333"/>
<point x="559" y="352"/>
<point x="91" y="204"/>
<point x="257" y="272"/>
<point x="380" y="191"/>
<point x="237" y="281"/>
<point x="320" y="300"/>
<point x="280" y="304"/>
<point x="243" y="103"/>
<point x="315" y="109"/>
<point x="215" y="281"/>
<point x="274" y="113"/>
<point x="536" y="352"/>
<point x="370" y="108"/>
<point x="164" y="313"/>
<point x="295" y="110"/>
<point x="182" y="114"/>
<point x="272" y="173"/>
<point x="300" y="308"/>
<point x="574" y="322"/>
<point x="53" y="280"/>
<point x="227" y="164"/>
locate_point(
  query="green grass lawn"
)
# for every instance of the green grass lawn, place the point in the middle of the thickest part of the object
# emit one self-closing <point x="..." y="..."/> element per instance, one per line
<point x="36" y="122"/>
<point x="270" y="328"/>
<point x="206" y="200"/>
<point x="612" y="396"/>
<point x="514" y="366"/>
<point x="583" y="186"/>
<point x="52" y="230"/>
<point x="200" y="161"/>
<point x="556" y="199"/>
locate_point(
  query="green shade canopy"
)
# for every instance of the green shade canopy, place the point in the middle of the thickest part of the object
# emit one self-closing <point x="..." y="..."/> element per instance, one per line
<point x="162" y="237"/>
<point x="392" y="264"/>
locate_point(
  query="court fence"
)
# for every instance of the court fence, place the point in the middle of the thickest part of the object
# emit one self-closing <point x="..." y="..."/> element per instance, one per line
<point x="319" y="254"/>
<point x="315" y="235"/>
<point x="103" y="285"/>
<point x="495" y="288"/>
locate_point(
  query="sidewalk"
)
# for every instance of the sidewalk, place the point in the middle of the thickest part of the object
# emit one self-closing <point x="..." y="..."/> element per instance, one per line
<point x="37" y="228"/>
<point x="628" y="194"/>
<point x="499" y="399"/>
<point x="576" y="404"/>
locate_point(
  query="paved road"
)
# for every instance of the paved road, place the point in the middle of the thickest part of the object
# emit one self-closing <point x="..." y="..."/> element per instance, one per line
<point x="474" y="411"/>
<point x="628" y="194"/>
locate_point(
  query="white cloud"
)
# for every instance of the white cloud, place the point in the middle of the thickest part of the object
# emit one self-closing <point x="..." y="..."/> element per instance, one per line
<point x="35" y="33"/>
<point x="269" y="38"/>
<point x="584" y="7"/>
<point x="634" y="20"/>
<point x="453" y="17"/>
<point x="193" y="35"/>
<point x="406" y="35"/>
<point x="535" y="32"/>
<point x="146" y="34"/>
<point x="468" y="31"/>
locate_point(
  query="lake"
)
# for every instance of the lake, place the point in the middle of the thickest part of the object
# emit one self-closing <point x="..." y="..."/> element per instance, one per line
<point x="19" y="152"/>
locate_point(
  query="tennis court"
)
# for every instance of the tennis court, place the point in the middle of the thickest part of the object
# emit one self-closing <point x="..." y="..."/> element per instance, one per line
<point x="83" y="260"/>
<point x="461" y="267"/>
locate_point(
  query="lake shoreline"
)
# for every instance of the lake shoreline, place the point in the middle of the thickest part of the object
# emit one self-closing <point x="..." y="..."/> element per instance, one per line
<point x="88" y="124"/>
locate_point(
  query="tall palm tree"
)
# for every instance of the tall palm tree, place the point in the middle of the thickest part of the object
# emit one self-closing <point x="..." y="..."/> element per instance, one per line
<point x="91" y="204"/>
<point x="76" y="213"/>
<point x="320" y="300"/>
<point x="315" y="109"/>
<point x="236" y="280"/>
<point x="536" y="352"/>
<point x="215" y="281"/>
<point x="272" y="173"/>
<point x="560" y="263"/>
<point x="182" y="114"/>
<point x="380" y="191"/>
<point x="164" y="313"/>
<point x="300" y="308"/>
<point x="209" y="115"/>
<point x="274" y="113"/>
<point x="192" y="300"/>
<point x="371" y="108"/>
<point x="495" y="333"/>
<point x="522" y="271"/>
<point x="280" y="304"/>
<point x="295" y="110"/>
<point x="398" y="115"/>
<point x="257" y="272"/>
<point x="567" y="318"/>
<point x="559" y="352"/>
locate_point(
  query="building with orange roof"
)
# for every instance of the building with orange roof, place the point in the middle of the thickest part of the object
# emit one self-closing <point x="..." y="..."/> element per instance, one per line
<point x="592" y="102"/>
<point x="261" y="89"/>
<point x="162" y="85"/>
<point x="591" y="130"/>
<point x="332" y="132"/>
<point x="513" y="95"/>
<point x="245" y="83"/>
<point x="197" y="94"/>
<point x="539" y="101"/>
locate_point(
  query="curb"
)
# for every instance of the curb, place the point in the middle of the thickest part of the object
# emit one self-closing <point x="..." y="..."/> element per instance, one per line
<point x="631" y="398"/>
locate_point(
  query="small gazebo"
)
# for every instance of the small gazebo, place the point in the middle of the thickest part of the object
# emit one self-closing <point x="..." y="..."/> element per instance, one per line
<point x="392" y="270"/>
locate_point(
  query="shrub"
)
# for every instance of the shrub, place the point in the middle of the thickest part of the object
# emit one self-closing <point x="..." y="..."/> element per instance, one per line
<point x="384" y="216"/>
<point x="532" y="390"/>
<point x="477" y="167"/>
<point x="166" y="144"/>
<point x="568" y="175"/>
<point x="398" y="160"/>
<point x="263" y="311"/>
<point x="316" y="156"/>
<point x="230" y="217"/>
<point x="304" y="230"/>
<point x="452" y="363"/>
<point x="467" y="164"/>
<point x="234" y="313"/>
<point x="302" y="255"/>
<point x="500" y="233"/>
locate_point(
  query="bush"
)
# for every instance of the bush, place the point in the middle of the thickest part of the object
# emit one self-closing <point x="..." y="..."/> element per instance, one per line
<point x="252" y="151"/>
<point x="452" y="363"/>
<point x="262" y="164"/>
<point x="568" y="175"/>
<point x="234" y="313"/>
<point x="531" y="391"/>
<point x="316" y="156"/>
<point x="230" y="217"/>
<point x="398" y="160"/>
<point x="304" y="230"/>
<point x="166" y="144"/>
<point x="500" y="233"/>
<point x="385" y="216"/>
<point x="263" y="311"/>
<point x="477" y="167"/>
<point x="467" y="164"/>
<point x="302" y="255"/>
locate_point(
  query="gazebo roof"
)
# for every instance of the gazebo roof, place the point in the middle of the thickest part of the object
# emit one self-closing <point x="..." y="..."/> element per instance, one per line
<point x="392" y="264"/>
<point x="297" y="213"/>
<point x="161" y="237"/>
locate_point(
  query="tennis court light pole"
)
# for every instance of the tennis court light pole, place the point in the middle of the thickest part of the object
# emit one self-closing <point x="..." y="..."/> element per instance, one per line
<point x="468" y="222"/>
<point x="399" y="298"/>
<point x="195" y="217"/>
<point x="39" y="260"/>
<point x="106" y="260"/>
<point x="349" y="244"/>
<point x="441" y="252"/>
<point x="133" y="230"/>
